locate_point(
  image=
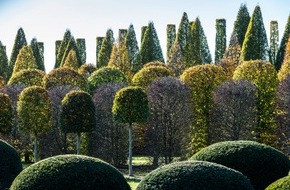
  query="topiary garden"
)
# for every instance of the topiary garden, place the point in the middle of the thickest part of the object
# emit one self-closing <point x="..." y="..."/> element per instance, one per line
<point x="262" y="164"/>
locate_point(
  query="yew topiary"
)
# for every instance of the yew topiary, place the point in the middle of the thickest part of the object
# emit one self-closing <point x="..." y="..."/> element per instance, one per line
<point x="194" y="175"/>
<point x="70" y="172"/>
<point x="262" y="164"/>
<point x="10" y="164"/>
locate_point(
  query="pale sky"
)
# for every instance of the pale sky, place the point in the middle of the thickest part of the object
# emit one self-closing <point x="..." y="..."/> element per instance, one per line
<point x="47" y="20"/>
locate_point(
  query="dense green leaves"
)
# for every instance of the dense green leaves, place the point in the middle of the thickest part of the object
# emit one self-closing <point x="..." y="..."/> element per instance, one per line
<point x="28" y="77"/>
<point x="106" y="49"/>
<point x="6" y="114"/>
<point x="38" y="54"/>
<point x="3" y="62"/>
<point x="285" y="68"/>
<point x="25" y="60"/>
<point x="220" y="39"/>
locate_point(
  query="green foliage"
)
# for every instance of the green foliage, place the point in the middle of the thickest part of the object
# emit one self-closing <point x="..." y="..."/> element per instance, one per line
<point x="78" y="112"/>
<point x="70" y="172"/>
<point x="264" y="76"/>
<point x="10" y="163"/>
<point x="255" y="45"/>
<point x="131" y="106"/>
<point x="106" y="49"/>
<point x="28" y="77"/>
<point x="103" y="76"/>
<point x="283" y="183"/>
<point x="274" y="40"/>
<point x="99" y="41"/>
<point x="6" y="114"/>
<point x="71" y="46"/>
<point x="19" y="42"/>
<point x="195" y="175"/>
<point x="205" y="53"/>
<point x="156" y="64"/>
<point x="62" y="48"/>
<point x="183" y="32"/>
<point x="220" y="39"/>
<point x="241" y="24"/>
<point x="202" y="79"/>
<point x="260" y="163"/>
<point x="150" y="48"/>
<point x="3" y="61"/>
<point x="148" y="74"/>
<point x="285" y="68"/>
<point x="25" y="60"/>
<point x="171" y="35"/>
<point x="64" y="76"/>
<point x="143" y="30"/>
<point x="37" y="54"/>
<point x="81" y="47"/>
<point x="34" y="110"/>
<point x="87" y="70"/>
<point x="281" y="50"/>
<point x="175" y="61"/>
<point x="71" y="60"/>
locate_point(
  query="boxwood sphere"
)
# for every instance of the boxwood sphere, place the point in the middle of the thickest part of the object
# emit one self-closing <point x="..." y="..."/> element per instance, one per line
<point x="10" y="164"/>
<point x="283" y="183"/>
<point x="192" y="175"/>
<point x="260" y="163"/>
<point x="73" y="172"/>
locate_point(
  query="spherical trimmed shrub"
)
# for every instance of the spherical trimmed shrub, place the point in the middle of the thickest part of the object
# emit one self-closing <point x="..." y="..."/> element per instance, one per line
<point x="192" y="175"/>
<point x="262" y="164"/>
<point x="70" y="172"/>
<point x="10" y="164"/>
<point x="283" y="183"/>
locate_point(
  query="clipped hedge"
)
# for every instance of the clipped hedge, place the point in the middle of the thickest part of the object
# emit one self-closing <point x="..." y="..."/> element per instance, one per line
<point x="10" y="164"/>
<point x="262" y="164"/>
<point x="192" y="175"/>
<point x="283" y="183"/>
<point x="71" y="172"/>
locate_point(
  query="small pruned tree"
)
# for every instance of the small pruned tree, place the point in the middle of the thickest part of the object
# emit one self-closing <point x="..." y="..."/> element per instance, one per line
<point x="28" y="77"/>
<point x="25" y="60"/>
<point x="131" y="106"/>
<point x="77" y="114"/>
<point x="6" y="114"/>
<point x="34" y="112"/>
<point x="71" y="60"/>
<point x="234" y="115"/>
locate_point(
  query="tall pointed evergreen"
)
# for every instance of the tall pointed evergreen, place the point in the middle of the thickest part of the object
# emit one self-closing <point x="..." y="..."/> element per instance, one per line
<point x="41" y="49"/>
<point x="241" y="24"/>
<point x="281" y="51"/>
<point x="133" y="49"/>
<point x="71" y="46"/>
<point x="204" y="49"/>
<point x="3" y="61"/>
<point x="37" y="54"/>
<point x="255" y="45"/>
<point x="106" y="49"/>
<point x="57" y="46"/>
<point x="150" y="48"/>
<point x="171" y="35"/>
<point x="81" y="46"/>
<point x="99" y="41"/>
<point x="220" y="39"/>
<point x="19" y="42"/>
<point x="274" y="40"/>
<point x="121" y="35"/>
<point x="25" y="60"/>
<point x="62" y="48"/>
<point x="183" y="31"/>
<point x="143" y="30"/>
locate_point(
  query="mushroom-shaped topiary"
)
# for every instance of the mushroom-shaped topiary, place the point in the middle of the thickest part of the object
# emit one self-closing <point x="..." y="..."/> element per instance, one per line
<point x="70" y="172"/>
<point x="10" y="164"/>
<point x="260" y="163"/>
<point x="195" y="175"/>
<point x="283" y="183"/>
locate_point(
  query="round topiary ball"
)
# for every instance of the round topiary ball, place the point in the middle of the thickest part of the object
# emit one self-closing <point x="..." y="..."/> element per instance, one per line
<point x="192" y="175"/>
<point x="10" y="164"/>
<point x="260" y="163"/>
<point x="283" y="183"/>
<point x="73" y="172"/>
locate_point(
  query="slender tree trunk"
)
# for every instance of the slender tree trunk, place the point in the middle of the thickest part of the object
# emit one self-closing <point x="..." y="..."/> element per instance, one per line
<point x="79" y="144"/>
<point x="35" y="151"/>
<point x="130" y="149"/>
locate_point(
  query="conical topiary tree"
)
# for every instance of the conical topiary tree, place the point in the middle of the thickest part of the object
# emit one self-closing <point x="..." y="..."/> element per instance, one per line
<point x="274" y="40"/>
<point x="150" y="48"/>
<point x="19" y="42"/>
<point x="204" y="49"/>
<point x="77" y="114"/>
<point x="255" y="45"/>
<point x="171" y="35"/>
<point x="71" y="46"/>
<point x="99" y="41"/>
<point x="81" y="46"/>
<point x="37" y="54"/>
<point x="183" y="31"/>
<point x="131" y="106"/>
<point x="3" y="61"/>
<point x="25" y="60"/>
<point x="106" y="49"/>
<point x="220" y="39"/>
<point x="71" y="60"/>
<point x="62" y="48"/>
<point x="281" y="51"/>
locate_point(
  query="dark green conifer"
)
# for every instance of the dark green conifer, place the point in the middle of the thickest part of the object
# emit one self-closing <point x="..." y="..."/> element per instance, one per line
<point x="71" y="46"/>
<point x="37" y="54"/>
<point x="183" y="31"/>
<point x="204" y="49"/>
<point x="81" y="46"/>
<point x="143" y="30"/>
<point x="255" y="46"/>
<point x="220" y="39"/>
<point x="62" y="48"/>
<point x="171" y="35"/>
<point x="282" y="48"/>
<point x="99" y="41"/>
<point x="106" y="49"/>
<point x="3" y="61"/>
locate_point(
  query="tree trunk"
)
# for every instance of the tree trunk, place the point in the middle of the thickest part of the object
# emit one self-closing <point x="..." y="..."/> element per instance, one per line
<point x="130" y="149"/>
<point x="35" y="151"/>
<point x="78" y="143"/>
